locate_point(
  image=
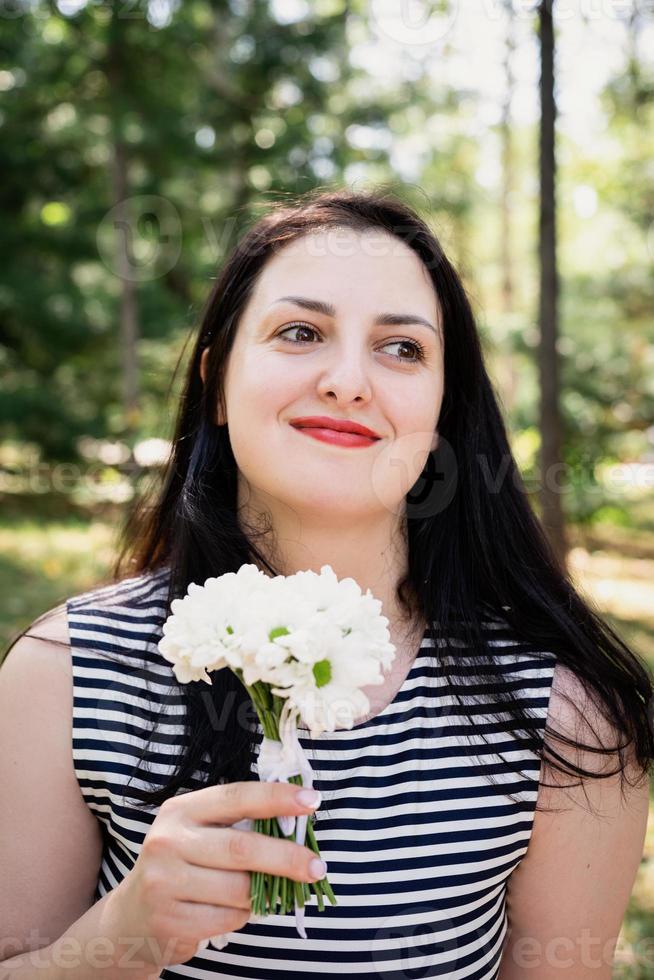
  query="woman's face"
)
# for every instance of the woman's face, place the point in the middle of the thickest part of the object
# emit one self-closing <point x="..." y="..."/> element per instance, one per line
<point x="289" y="361"/>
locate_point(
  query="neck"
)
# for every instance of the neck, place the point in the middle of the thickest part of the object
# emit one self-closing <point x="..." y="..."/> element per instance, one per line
<point x="373" y="552"/>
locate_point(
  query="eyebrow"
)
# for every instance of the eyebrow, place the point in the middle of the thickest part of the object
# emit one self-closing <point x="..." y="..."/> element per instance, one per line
<point x="386" y="319"/>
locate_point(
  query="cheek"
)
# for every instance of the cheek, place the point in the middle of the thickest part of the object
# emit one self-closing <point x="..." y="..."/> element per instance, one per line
<point x="400" y="463"/>
<point x="415" y="408"/>
<point x="259" y="394"/>
<point x="398" y="467"/>
<point x="264" y="386"/>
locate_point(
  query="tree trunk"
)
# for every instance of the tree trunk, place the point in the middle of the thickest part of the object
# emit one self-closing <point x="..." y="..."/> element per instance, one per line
<point x="507" y="169"/>
<point x="552" y="476"/>
<point x="123" y="224"/>
<point x="507" y="293"/>
<point x="128" y="313"/>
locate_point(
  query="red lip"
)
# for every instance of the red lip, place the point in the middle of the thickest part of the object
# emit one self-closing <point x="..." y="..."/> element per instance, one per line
<point x="339" y="425"/>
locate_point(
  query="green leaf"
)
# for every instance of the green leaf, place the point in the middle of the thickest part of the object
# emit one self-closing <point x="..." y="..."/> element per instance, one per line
<point x="322" y="671"/>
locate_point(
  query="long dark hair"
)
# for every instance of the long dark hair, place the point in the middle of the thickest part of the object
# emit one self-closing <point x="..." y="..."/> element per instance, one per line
<point x="472" y="550"/>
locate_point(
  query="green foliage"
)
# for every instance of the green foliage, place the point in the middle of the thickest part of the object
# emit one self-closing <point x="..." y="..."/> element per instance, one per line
<point x="223" y="110"/>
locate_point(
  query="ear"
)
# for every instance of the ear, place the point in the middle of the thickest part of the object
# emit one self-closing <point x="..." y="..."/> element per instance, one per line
<point x="218" y="420"/>
<point x="203" y="364"/>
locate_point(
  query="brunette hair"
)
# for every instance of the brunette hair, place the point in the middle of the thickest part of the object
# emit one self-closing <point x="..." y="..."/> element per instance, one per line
<point x="473" y="552"/>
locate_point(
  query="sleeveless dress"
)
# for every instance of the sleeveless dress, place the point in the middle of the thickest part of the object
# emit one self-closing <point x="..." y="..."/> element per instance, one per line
<point x="419" y="843"/>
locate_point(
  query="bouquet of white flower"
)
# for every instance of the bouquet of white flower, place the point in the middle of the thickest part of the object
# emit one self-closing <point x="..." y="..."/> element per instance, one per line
<point x="303" y="645"/>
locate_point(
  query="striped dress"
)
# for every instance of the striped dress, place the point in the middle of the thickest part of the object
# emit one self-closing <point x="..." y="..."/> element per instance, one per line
<point x="419" y="843"/>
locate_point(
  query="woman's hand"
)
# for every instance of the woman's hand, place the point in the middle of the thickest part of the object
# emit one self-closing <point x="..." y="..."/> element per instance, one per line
<point x="191" y="879"/>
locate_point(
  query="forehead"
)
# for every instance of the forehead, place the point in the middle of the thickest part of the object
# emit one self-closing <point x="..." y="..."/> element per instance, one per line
<point x="344" y="266"/>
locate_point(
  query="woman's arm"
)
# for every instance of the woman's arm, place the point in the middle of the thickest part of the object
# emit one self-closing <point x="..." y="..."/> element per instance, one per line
<point x="50" y="842"/>
<point x="568" y="896"/>
<point x="86" y="950"/>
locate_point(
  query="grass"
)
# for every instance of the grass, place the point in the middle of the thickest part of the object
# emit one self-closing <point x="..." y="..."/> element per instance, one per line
<point x="44" y="561"/>
<point x="614" y="568"/>
<point x="41" y="564"/>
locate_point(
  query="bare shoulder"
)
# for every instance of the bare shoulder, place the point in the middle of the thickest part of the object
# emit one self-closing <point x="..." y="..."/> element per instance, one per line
<point x="45" y="642"/>
<point x="567" y="897"/>
<point x="49" y="854"/>
<point x="577" y="713"/>
<point x="51" y="625"/>
<point x="38" y="666"/>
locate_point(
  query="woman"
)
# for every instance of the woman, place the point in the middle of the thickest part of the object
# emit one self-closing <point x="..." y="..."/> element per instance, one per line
<point x="457" y="843"/>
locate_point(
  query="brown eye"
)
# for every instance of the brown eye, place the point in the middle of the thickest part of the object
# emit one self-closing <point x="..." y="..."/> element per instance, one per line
<point x="418" y="350"/>
<point x="296" y="326"/>
<point x="412" y="345"/>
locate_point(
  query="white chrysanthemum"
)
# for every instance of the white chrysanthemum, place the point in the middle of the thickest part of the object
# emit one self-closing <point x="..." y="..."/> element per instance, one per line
<point x="313" y="639"/>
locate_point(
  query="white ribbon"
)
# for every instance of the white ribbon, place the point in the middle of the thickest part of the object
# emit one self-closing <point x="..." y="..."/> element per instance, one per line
<point x="277" y="762"/>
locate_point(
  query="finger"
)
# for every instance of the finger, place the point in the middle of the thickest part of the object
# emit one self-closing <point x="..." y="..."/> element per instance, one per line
<point x="215" y="887"/>
<point x="193" y="919"/>
<point x="227" y="849"/>
<point x="226" y="804"/>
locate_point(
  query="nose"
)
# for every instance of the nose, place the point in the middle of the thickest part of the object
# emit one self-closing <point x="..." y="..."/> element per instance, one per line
<point x="346" y="376"/>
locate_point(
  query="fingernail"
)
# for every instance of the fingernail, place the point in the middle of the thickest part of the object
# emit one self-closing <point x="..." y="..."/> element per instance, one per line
<point x="317" y="869"/>
<point x="309" y="797"/>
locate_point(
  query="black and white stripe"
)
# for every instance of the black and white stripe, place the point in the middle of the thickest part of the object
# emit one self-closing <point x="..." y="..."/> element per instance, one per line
<point x="419" y="843"/>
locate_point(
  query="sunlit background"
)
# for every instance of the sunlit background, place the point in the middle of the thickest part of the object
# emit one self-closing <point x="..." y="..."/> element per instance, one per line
<point x="138" y="139"/>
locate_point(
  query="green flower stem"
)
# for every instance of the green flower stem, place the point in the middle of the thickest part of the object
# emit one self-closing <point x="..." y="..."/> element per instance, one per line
<point x="265" y="877"/>
<point x="254" y="892"/>
<point x="298" y="890"/>
<point x="261" y="904"/>
<point x="322" y="885"/>
<point x="274" y="892"/>
<point x="266" y="889"/>
<point x="262" y="893"/>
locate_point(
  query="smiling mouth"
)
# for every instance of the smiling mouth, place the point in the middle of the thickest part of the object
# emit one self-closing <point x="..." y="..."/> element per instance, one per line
<point x="336" y="437"/>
